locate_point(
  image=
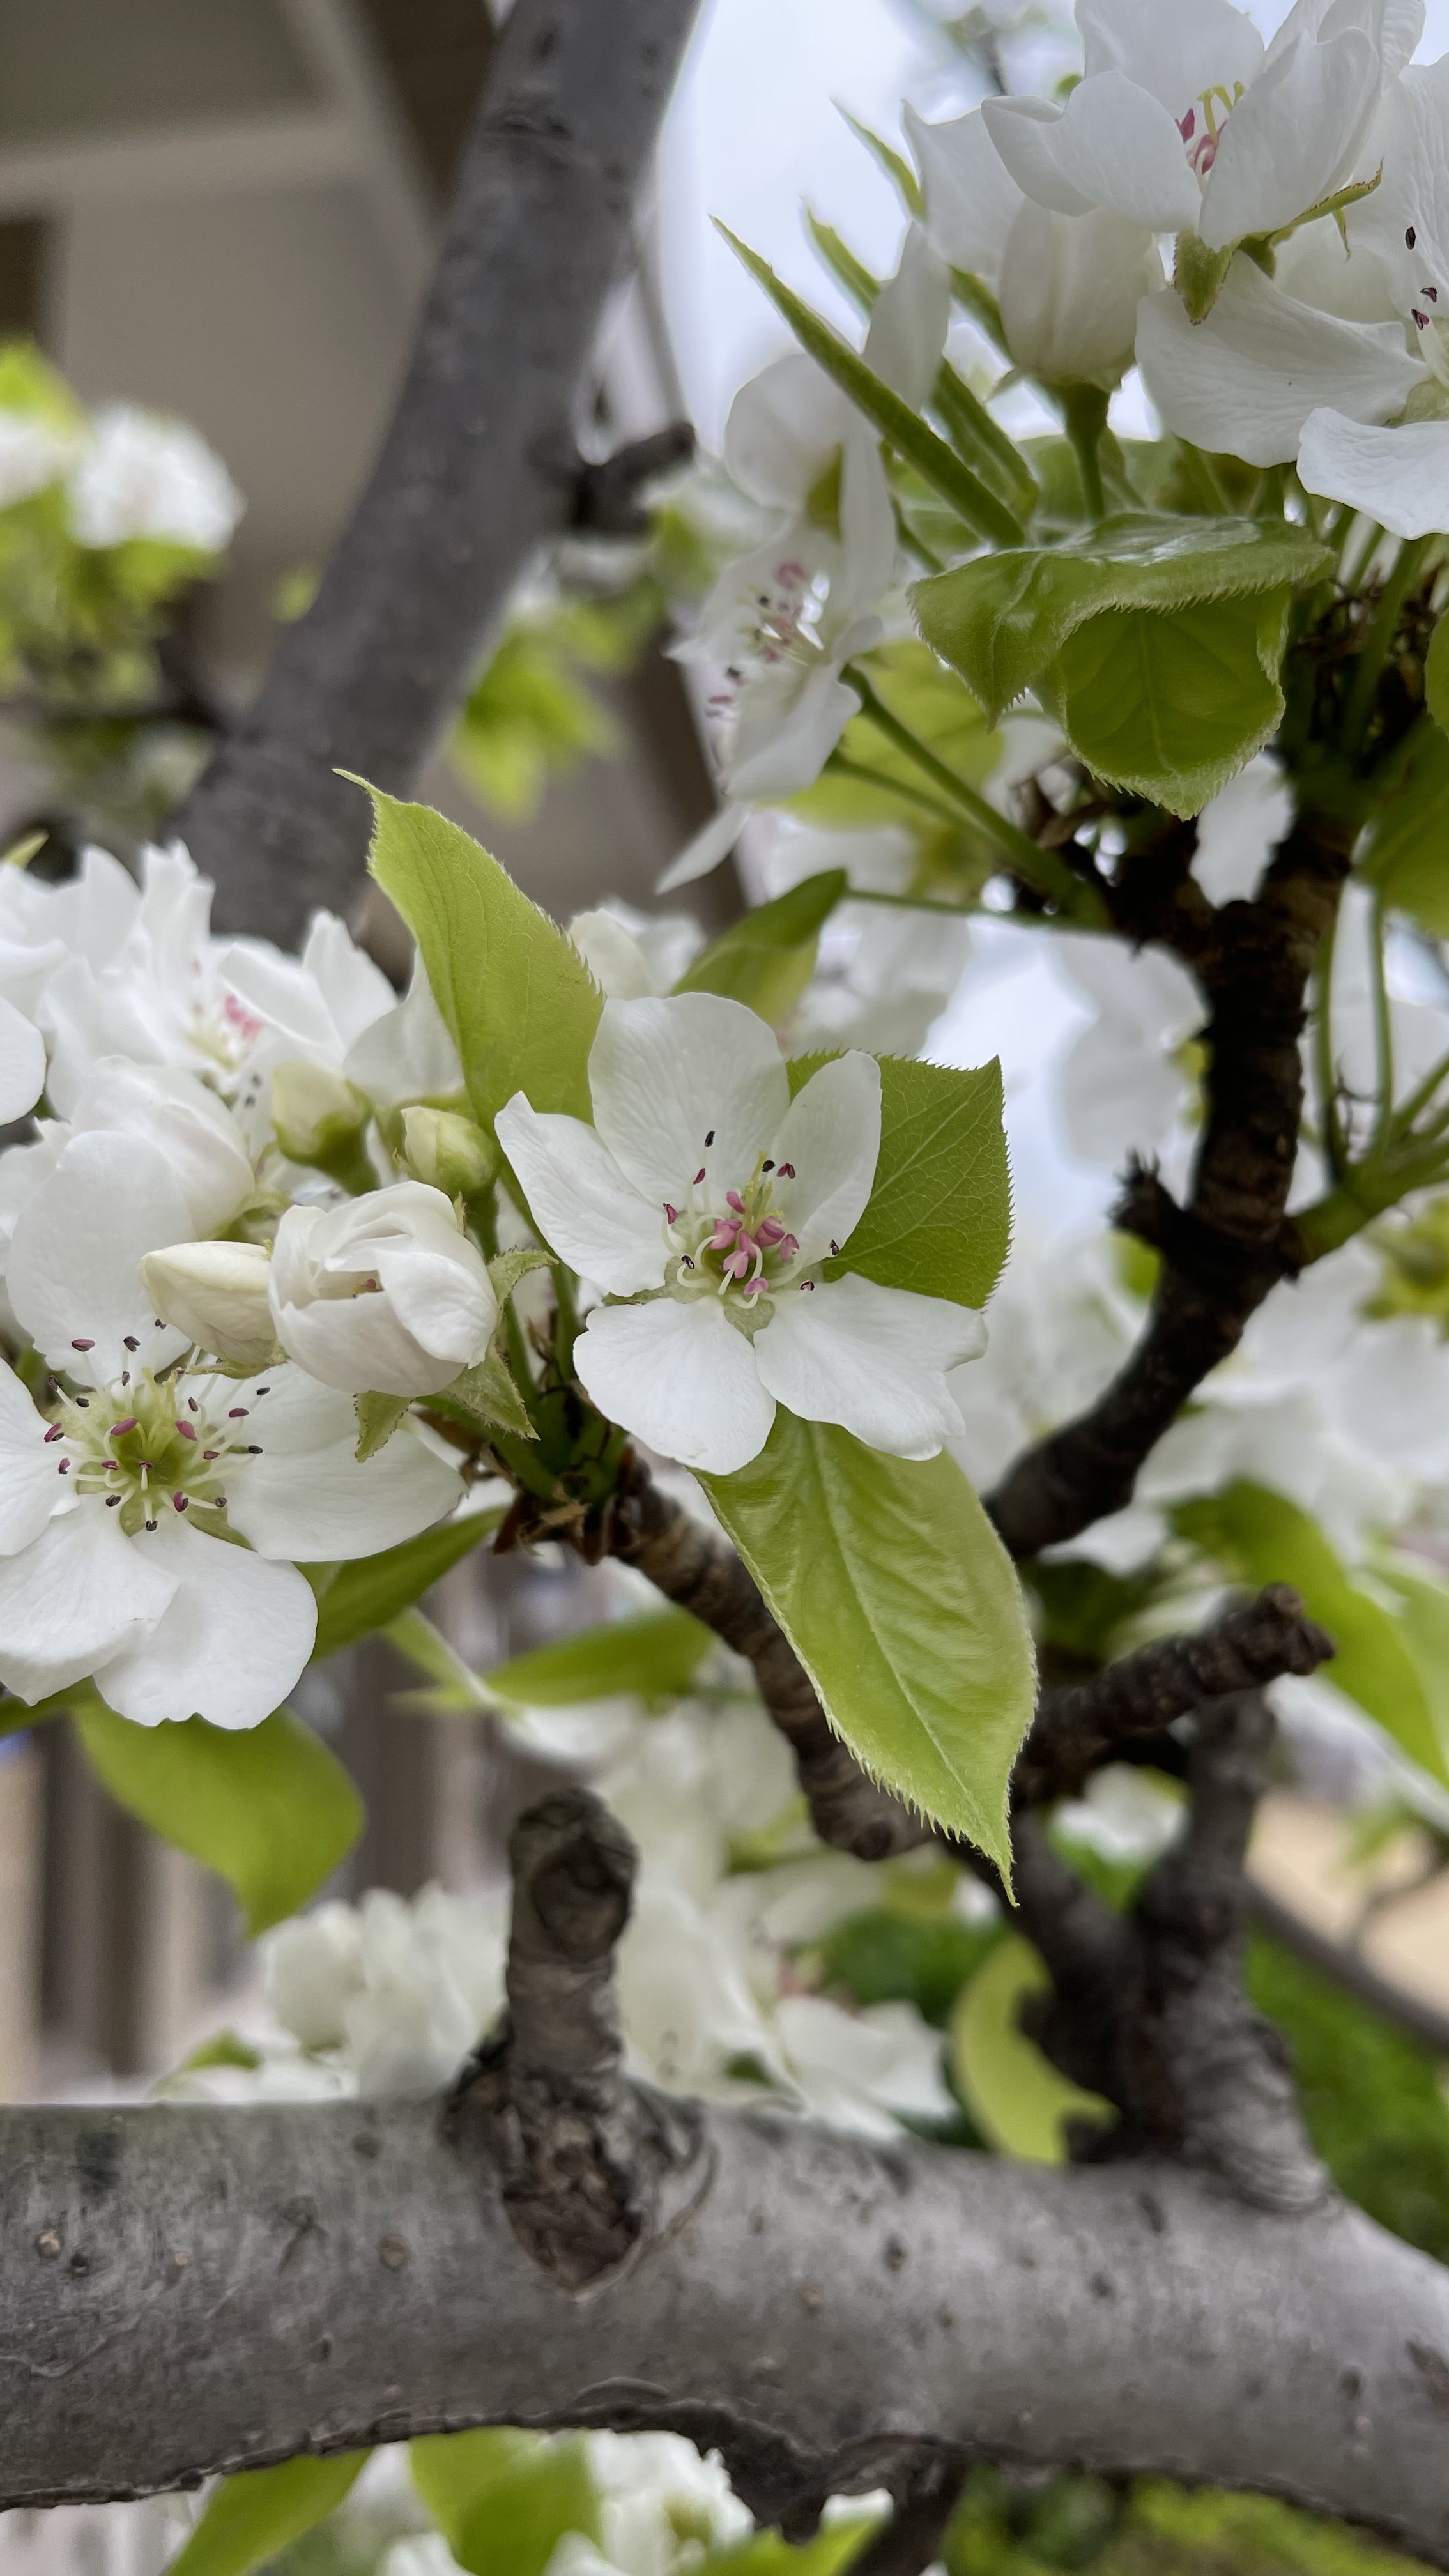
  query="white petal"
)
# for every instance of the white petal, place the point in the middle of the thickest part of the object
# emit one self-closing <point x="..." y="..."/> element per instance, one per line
<point x="872" y="1359"/>
<point x="1174" y="48"/>
<point x="1070" y="289"/>
<point x="1239" y="830"/>
<point x="1399" y="476"/>
<point x="1247" y="379"/>
<point x="406" y="1054"/>
<point x="22" y="1063"/>
<point x="323" y="1504"/>
<point x="784" y="738"/>
<point x="30" y="1481"/>
<point x="232" y="1642"/>
<point x="782" y="429"/>
<point x="908" y="326"/>
<point x="710" y="845"/>
<point x="74" y="1275"/>
<point x="1294" y="138"/>
<point x="679" y="1376"/>
<point x="612" y="955"/>
<point x="585" y="1209"/>
<point x="971" y="196"/>
<point x="1112" y="146"/>
<point x="194" y="1132"/>
<point x="70" y="1601"/>
<point x="831" y="1134"/>
<point x="667" y="1074"/>
<point x="355" y="991"/>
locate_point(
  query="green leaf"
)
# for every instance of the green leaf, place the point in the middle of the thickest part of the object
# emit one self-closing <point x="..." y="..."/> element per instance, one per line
<point x="1436" y="675"/>
<point x="1424" y="1625"/>
<point x="767" y="959"/>
<point x="253" y="2517"/>
<point x="902" y="1605"/>
<point x="1171" y="706"/>
<point x="1002" y="619"/>
<point x="910" y="436"/>
<point x="504" y="2500"/>
<point x="370" y="1590"/>
<point x="895" y="165"/>
<point x="1263" y="1538"/>
<point x="378" y="1417"/>
<point x="489" y="1394"/>
<point x="268" y="1808"/>
<point x="457" y="1690"/>
<point x="515" y="993"/>
<point x="224" y="2048"/>
<point x="657" y="1654"/>
<point x="1408" y="855"/>
<point x="939" y="1218"/>
<point x="1014" y="2093"/>
<point x="834" y="2549"/>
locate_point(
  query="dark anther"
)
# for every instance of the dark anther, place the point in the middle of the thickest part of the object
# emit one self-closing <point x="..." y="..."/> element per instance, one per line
<point x="131" y="1342"/>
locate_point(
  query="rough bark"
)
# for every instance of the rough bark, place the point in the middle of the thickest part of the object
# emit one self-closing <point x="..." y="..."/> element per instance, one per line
<point x="479" y="465"/>
<point x="1224" y="1251"/>
<point x="187" y="2290"/>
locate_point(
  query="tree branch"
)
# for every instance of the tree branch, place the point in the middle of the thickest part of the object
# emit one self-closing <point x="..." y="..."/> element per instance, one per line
<point x="1226" y="1249"/>
<point x="1349" y="1968"/>
<point x="479" y="465"/>
<point x="187" y="2290"/>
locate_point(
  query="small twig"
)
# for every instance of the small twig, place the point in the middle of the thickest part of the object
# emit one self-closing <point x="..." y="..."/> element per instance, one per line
<point x="1423" y="2021"/>
<point x="607" y="501"/>
<point x="591" y="2166"/>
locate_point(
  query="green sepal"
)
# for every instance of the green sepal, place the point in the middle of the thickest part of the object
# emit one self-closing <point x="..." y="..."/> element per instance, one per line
<point x="1198" y="273"/>
<point x="506" y="1269"/>
<point x="378" y="1417"/>
<point x="488" y="1394"/>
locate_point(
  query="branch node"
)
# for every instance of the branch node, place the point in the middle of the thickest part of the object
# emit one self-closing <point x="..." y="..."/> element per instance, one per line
<point x="592" y="2168"/>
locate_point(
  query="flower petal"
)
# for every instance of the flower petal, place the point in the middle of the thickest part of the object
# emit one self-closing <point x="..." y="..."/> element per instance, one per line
<point x="710" y="846"/>
<point x="831" y="1134"/>
<point x="872" y="1359"/>
<point x="1248" y="378"/>
<point x="22" y="1063"/>
<point x="665" y="1075"/>
<point x="679" y="1376"/>
<point x="1112" y="146"/>
<point x="230" y="1644"/>
<point x="73" y="1599"/>
<point x="971" y="196"/>
<point x="316" y="1504"/>
<point x="1296" y="136"/>
<point x="908" y="326"/>
<point x="1399" y="476"/>
<point x="781" y="430"/>
<point x="30" y="1484"/>
<point x="580" y="1201"/>
<point x="1175" y="51"/>
<point x="74" y="1277"/>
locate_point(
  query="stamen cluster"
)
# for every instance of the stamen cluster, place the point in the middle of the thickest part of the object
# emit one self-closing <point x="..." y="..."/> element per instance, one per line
<point x="149" y="1442"/>
<point x="740" y="1253"/>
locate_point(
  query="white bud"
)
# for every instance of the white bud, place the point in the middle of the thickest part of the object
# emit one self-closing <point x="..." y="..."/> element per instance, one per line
<point x="386" y="1294"/>
<point x="318" y="1117"/>
<point x="446" y="1151"/>
<point x="216" y="1293"/>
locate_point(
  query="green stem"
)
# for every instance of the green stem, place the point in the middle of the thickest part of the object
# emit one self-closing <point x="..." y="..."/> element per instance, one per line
<point x="1365" y="1193"/>
<point x="565" y="1331"/>
<point x="1383" y="1028"/>
<point x="1378" y="643"/>
<point x="1084" y="412"/>
<point x="838" y="766"/>
<point x="1038" y="868"/>
<point x="908" y="902"/>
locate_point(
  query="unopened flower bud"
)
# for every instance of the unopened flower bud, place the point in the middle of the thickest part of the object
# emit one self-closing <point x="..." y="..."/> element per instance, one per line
<point x="216" y="1293"/>
<point x="446" y="1151"/>
<point x="320" y="1119"/>
<point x="386" y="1294"/>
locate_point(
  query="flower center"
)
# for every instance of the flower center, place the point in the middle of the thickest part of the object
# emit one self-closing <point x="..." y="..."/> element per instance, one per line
<point x="1201" y="129"/>
<point x="741" y="1252"/>
<point x="150" y="1445"/>
<point x="777" y="631"/>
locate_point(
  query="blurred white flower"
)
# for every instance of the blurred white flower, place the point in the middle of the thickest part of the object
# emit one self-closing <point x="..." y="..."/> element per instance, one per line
<point x="34" y="451"/>
<point x="1238" y="831"/>
<point x="1122" y="1086"/>
<point x="142" y="476"/>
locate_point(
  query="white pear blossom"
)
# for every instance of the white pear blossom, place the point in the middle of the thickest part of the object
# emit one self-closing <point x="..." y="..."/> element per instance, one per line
<point x="402" y="1991"/>
<point x="1186" y="122"/>
<point x="1239" y="829"/>
<point x="1124" y="1086"/>
<point x="710" y="1201"/>
<point x="142" y="476"/>
<point x="385" y="1292"/>
<point x="1068" y="284"/>
<point x="35" y="450"/>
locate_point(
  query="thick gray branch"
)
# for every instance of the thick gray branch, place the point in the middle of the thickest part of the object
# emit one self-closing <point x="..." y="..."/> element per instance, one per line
<point x="479" y="464"/>
<point x="184" y="2290"/>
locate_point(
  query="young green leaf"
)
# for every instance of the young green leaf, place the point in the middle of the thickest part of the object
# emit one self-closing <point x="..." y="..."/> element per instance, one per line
<point x="517" y="997"/>
<point x="378" y="1417"/>
<point x="767" y="959"/>
<point x="902" y="1605"/>
<point x="253" y="2517"/>
<point x="456" y="1689"/>
<point x="488" y="1394"/>
<point x="1002" y="619"/>
<point x="1263" y="1538"/>
<point x="895" y="165"/>
<point x="269" y="1808"/>
<point x="1014" y="2094"/>
<point x="1408" y="855"/>
<point x="939" y="1218"/>
<point x="370" y="1590"/>
<point x="1171" y="705"/>
<point x="657" y="1655"/>
<point x="910" y="436"/>
<point x="504" y="2500"/>
<point x="833" y="2551"/>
